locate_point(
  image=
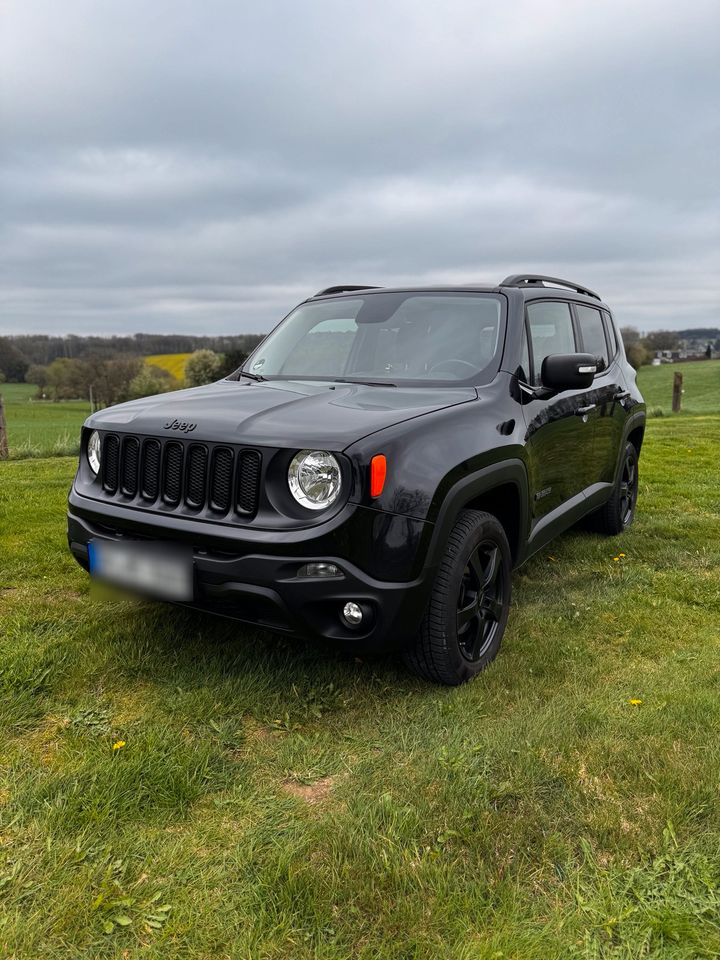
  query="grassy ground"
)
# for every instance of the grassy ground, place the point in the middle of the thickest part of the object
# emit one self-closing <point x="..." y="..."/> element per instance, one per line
<point x="177" y="787"/>
<point x="41" y="428"/>
<point x="701" y="382"/>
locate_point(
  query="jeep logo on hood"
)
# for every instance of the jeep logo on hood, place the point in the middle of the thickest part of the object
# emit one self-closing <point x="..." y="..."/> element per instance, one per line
<point x="182" y="425"/>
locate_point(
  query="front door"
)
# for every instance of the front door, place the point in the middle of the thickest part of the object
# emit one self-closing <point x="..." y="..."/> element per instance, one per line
<point x="559" y="431"/>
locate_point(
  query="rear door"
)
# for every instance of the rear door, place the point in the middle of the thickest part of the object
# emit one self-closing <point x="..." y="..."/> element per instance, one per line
<point x="597" y="336"/>
<point x="559" y="432"/>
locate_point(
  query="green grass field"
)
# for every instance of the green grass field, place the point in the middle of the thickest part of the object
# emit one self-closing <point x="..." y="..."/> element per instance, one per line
<point x="41" y="428"/>
<point x="701" y="383"/>
<point x="179" y="787"/>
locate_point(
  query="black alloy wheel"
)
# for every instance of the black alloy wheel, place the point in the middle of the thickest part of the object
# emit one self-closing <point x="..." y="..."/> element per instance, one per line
<point x="480" y="603"/>
<point x="469" y="603"/>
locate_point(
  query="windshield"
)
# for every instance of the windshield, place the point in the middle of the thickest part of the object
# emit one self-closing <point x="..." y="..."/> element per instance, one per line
<point x="386" y="337"/>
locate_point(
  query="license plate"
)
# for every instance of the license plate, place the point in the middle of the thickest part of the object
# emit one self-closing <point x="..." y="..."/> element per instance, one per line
<point x="161" y="570"/>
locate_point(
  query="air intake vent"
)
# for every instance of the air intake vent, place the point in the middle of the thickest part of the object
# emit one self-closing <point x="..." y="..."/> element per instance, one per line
<point x="248" y="486"/>
<point x="109" y="463"/>
<point x="221" y="479"/>
<point x="150" y="471"/>
<point x="129" y="471"/>
<point x="172" y="473"/>
<point x="196" y="480"/>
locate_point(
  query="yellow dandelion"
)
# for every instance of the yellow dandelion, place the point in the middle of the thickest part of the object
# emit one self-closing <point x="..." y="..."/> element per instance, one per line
<point x="621" y="554"/>
<point x="118" y="745"/>
<point x="634" y="702"/>
<point x="616" y="559"/>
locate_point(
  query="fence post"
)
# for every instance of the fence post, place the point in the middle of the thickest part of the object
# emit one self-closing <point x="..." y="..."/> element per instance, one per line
<point x="3" y="432"/>
<point x="677" y="392"/>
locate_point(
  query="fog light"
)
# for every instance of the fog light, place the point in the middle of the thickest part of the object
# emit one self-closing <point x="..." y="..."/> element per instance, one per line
<point x="352" y="614"/>
<point x="319" y="570"/>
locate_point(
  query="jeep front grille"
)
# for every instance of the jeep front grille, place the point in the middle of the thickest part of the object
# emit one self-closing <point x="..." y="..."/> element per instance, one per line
<point x="187" y="475"/>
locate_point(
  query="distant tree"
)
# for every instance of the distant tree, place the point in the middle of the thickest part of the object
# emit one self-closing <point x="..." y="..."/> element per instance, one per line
<point x="203" y="366"/>
<point x="232" y="360"/>
<point x="2" y="377"/>
<point x="709" y="351"/>
<point x="64" y="378"/>
<point x="637" y="354"/>
<point x="629" y="335"/>
<point x="151" y="380"/>
<point x="13" y="363"/>
<point x="110" y="379"/>
<point x="37" y="374"/>
<point x="661" y="340"/>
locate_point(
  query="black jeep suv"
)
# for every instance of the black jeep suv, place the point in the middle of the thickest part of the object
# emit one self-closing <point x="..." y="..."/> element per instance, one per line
<point x="375" y="469"/>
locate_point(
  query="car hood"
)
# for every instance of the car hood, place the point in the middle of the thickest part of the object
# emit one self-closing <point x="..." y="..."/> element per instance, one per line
<point x="278" y="412"/>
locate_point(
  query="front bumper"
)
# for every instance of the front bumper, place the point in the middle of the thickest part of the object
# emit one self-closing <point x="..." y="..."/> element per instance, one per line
<point x="252" y="577"/>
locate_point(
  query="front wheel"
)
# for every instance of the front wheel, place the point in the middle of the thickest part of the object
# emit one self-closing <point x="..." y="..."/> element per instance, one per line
<point x="469" y="605"/>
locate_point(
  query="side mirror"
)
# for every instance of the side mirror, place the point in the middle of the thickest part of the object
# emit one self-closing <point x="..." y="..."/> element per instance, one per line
<point x="568" y="371"/>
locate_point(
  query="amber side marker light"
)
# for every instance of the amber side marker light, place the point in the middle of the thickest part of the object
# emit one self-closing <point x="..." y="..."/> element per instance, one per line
<point x="378" y="471"/>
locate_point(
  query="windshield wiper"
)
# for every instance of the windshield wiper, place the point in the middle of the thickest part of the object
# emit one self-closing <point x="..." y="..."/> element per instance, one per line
<point x="365" y="383"/>
<point x="253" y="376"/>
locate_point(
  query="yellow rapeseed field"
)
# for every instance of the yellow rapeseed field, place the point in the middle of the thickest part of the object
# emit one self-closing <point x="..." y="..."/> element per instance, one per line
<point x="174" y="363"/>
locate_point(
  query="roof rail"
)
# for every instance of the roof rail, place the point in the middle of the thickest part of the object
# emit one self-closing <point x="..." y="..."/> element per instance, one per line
<point x="537" y="279"/>
<point x="345" y="288"/>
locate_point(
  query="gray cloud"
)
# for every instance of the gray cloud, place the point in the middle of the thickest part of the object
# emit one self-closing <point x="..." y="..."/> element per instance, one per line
<point x="202" y="166"/>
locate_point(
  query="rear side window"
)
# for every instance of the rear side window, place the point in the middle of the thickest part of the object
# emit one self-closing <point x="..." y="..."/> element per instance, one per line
<point x="551" y="331"/>
<point x="592" y="332"/>
<point x="611" y="333"/>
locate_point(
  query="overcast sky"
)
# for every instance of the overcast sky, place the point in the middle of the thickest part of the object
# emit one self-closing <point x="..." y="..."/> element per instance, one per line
<point x="202" y="166"/>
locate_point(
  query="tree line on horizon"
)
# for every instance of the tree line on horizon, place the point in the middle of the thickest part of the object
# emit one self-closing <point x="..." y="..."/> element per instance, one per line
<point x="107" y="379"/>
<point x="42" y="348"/>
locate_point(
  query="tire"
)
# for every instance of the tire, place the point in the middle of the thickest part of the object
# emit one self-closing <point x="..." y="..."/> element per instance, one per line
<point x="618" y="513"/>
<point x="469" y="605"/>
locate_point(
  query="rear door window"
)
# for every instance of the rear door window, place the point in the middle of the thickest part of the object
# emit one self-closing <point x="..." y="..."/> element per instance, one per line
<point x="592" y="333"/>
<point x="611" y="333"/>
<point x="550" y="329"/>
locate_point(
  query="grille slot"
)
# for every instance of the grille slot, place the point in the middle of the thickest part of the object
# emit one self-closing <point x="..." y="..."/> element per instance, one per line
<point x="196" y="477"/>
<point x="172" y="473"/>
<point x="109" y="462"/>
<point x="221" y="479"/>
<point x="129" y="466"/>
<point x="248" y="486"/>
<point x="150" y="475"/>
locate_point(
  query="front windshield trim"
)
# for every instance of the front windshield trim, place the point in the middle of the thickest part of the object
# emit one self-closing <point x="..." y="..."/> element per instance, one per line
<point x="481" y="376"/>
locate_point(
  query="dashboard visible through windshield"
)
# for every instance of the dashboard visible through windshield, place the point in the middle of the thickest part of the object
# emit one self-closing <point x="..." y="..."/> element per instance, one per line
<point x="387" y="337"/>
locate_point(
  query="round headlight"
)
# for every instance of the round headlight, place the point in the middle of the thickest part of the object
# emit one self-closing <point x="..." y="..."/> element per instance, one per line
<point x="93" y="451"/>
<point x="314" y="479"/>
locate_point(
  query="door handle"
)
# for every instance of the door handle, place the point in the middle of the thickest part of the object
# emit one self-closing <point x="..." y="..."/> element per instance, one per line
<point x="584" y="411"/>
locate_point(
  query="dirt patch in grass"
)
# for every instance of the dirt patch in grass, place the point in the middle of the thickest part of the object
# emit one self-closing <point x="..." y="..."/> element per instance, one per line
<point x="310" y="792"/>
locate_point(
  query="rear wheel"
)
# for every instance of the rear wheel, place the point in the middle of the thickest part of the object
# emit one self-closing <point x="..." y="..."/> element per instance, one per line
<point x="618" y="513"/>
<point x="469" y="605"/>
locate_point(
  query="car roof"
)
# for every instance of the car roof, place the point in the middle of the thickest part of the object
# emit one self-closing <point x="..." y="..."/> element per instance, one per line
<point x="528" y="291"/>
